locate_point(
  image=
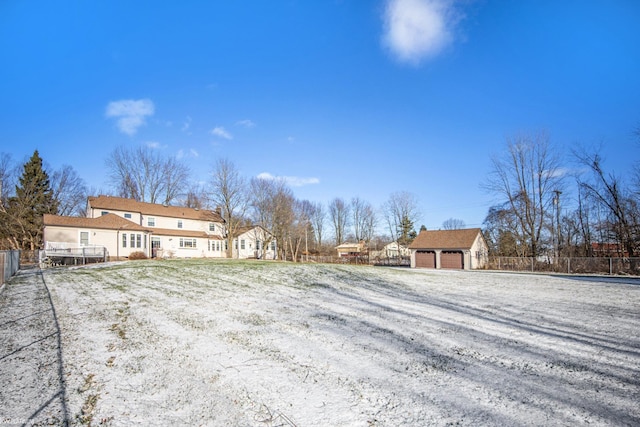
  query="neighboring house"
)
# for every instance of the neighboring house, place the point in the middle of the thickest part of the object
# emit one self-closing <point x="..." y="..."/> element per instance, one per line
<point x="393" y="250"/>
<point x="458" y="249"/>
<point x="124" y="226"/>
<point x="254" y="241"/>
<point x="350" y="249"/>
<point x="390" y="251"/>
<point x="608" y="250"/>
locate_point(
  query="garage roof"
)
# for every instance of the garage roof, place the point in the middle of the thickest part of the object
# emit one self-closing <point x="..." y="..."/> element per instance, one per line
<point x="445" y="239"/>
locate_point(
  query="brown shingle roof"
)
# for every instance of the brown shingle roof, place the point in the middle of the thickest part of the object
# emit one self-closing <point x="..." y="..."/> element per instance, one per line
<point x="445" y="239"/>
<point x="243" y="229"/>
<point x="109" y="221"/>
<point x="114" y="222"/>
<point x="130" y="205"/>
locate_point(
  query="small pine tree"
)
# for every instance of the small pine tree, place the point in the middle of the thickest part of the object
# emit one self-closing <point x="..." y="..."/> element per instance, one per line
<point x="34" y="198"/>
<point x="406" y="232"/>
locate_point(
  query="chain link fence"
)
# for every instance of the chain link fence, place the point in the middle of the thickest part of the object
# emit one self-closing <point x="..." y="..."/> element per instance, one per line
<point x="592" y="265"/>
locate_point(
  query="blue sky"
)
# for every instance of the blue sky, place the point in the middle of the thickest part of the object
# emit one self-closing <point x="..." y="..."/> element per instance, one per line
<point x="345" y="98"/>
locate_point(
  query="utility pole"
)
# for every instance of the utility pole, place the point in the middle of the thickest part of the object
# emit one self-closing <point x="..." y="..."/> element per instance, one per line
<point x="556" y="202"/>
<point x="306" y="244"/>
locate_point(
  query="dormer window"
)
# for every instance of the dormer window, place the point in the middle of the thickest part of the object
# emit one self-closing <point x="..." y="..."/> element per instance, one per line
<point x="212" y="227"/>
<point x="179" y="223"/>
<point x="151" y="221"/>
<point x="127" y="216"/>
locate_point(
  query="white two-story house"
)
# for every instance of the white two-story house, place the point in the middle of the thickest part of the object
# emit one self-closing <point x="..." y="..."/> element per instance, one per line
<point x="124" y="226"/>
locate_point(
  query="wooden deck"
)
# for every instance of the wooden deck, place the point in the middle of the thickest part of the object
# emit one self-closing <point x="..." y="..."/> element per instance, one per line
<point x="74" y="256"/>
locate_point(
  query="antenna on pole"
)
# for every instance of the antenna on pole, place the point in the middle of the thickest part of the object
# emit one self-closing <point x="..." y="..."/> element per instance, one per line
<point x="556" y="202"/>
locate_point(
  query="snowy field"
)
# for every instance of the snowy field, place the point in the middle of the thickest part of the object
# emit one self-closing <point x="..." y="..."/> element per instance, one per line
<point x="271" y="344"/>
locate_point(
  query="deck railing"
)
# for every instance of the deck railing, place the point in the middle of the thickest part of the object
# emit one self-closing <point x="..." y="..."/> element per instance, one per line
<point x="68" y="254"/>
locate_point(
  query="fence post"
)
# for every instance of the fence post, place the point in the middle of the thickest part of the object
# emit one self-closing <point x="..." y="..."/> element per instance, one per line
<point x="2" y="265"/>
<point x="568" y="265"/>
<point x="532" y="270"/>
<point x="610" y="266"/>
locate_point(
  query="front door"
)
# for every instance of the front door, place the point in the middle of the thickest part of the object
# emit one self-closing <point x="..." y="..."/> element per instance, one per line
<point x="155" y="245"/>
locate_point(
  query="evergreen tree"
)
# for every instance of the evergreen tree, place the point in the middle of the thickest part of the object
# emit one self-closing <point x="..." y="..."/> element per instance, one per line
<point x="33" y="198"/>
<point x="406" y="232"/>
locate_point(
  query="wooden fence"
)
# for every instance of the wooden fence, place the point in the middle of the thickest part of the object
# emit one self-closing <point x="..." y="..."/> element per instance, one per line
<point x="9" y="264"/>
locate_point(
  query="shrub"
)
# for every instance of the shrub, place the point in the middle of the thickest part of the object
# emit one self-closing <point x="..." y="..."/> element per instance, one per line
<point x="137" y="255"/>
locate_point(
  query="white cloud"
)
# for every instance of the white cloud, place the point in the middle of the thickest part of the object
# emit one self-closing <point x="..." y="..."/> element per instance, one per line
<point x="246" y="123"/>
<point x="266" y="175"/>
<point x="417" y="29"/>
<point x="293" y="181"/>
<point x="130" y="114"/>
<point x="155" y="145"/>
<point x="186" y="125"/>
<point x="221" y="132"/>
<point x="558" y="172"/>
<point x="181" y="154"/>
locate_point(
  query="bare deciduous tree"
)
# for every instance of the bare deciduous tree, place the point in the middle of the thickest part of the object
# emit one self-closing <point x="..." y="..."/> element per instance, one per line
<point x="526" y="178"/>
<point x="272" y="208"/>
<point x="69" y="191"/>
<point x="8" y="173"/>
<point x="584" y="223"/>
<point x="228" y="193"/>
<point x="195" y="197"/>
<point x="453" y="224"/>
<point x="339" y="215"/>
<point x="306" y="212"/>
<point x="501" y="232"/>
<point x="8" y="177"/>
<point x="143" y="174"/>
<point x="622" y="216"/>
<point x="401" y="212"/>
<point x="318" y="218"/>
<point x="364" y="219"/>
<point x="299" y="228"/>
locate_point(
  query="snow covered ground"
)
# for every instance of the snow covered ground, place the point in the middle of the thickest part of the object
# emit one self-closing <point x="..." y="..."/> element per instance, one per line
<point x="200" y="342"/>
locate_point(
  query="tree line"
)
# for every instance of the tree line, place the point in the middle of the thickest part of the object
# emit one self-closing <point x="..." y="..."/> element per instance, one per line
<point x="553" y="205"/>
<point x="143" y="174"/>
<point x="25" y="197"/>
<point x="543" y="208"/>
